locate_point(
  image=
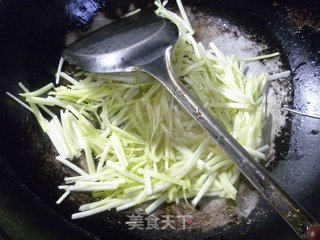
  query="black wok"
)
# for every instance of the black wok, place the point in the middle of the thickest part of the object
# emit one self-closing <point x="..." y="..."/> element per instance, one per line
<point x="33" y="34"/>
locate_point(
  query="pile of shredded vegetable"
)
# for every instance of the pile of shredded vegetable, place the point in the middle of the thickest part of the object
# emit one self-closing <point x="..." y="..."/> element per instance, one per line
<point x="139" y="144"/>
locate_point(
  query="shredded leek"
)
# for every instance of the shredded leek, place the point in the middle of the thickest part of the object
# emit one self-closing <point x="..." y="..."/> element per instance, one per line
<point x="139" y="144"/>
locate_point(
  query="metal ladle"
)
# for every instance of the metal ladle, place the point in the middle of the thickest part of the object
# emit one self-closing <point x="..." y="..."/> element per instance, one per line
<point x="143" y="42"/>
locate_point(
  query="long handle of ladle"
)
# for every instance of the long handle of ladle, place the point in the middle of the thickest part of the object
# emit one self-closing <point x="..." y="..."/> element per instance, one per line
<point x="292" y="212"/>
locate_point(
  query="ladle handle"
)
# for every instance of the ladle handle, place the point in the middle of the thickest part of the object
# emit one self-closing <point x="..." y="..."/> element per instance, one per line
<point x="293" y="213"/>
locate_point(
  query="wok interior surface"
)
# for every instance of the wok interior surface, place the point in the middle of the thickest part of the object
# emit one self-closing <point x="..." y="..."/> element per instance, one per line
<point x="30" y="47"/>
